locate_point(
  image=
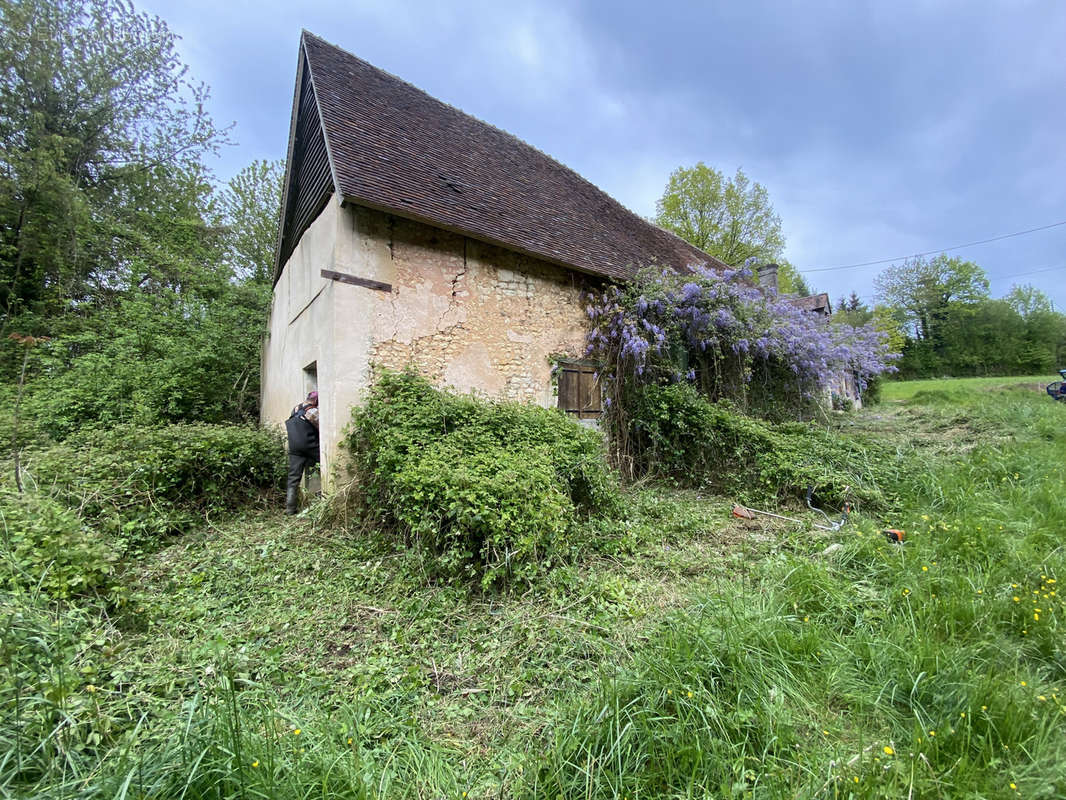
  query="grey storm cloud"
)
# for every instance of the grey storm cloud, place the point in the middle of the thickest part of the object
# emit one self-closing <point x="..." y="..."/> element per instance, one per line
<point x="879" y="129"/>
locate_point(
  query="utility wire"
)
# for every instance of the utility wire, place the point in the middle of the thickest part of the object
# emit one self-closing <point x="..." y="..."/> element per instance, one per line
<point x="932" y="252"/>
<point x="872" y="298"/>
<point x="1030" y="272"/>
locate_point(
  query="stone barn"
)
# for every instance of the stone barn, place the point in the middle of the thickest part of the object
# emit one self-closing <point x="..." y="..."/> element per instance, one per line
<point x="413" y="234"/>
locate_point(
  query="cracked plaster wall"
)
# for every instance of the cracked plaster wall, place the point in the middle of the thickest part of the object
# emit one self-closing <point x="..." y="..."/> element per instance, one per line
<point x="466" y="314"/>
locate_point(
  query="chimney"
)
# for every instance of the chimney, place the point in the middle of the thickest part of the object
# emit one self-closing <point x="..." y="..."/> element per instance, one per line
<point x="767" y="275"/>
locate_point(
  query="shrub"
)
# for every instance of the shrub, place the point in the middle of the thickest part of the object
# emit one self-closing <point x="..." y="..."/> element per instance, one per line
<point x="142" y="482"/>
<point x="492" y="490"/>
<point x="48" y="546"/>
<point x="683" y="436"/>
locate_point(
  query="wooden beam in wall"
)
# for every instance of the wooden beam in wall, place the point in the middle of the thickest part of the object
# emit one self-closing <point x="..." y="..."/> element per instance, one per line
<point x="352" y="279"/>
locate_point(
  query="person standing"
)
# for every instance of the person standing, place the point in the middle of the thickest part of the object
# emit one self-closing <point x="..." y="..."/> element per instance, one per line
<point x="302" y="430"/>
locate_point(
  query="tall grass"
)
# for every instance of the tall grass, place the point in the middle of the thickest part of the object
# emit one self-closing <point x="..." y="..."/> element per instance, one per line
<point x="232" y="738"/>
<point x="872" y="670"/>
<point x="932" y="669"/>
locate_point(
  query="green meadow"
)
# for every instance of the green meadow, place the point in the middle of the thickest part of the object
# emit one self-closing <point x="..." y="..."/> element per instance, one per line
<point x="905" y="390"/>
<point x="258" y="656"/>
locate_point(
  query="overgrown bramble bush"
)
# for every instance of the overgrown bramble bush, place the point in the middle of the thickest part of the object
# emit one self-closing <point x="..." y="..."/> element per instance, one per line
<point x="47" y="546"/>
<point x="136" y="483"/>
<point x="683" y="436"/>
<point x="724" y="337"/>
<point x="493" y="490"/>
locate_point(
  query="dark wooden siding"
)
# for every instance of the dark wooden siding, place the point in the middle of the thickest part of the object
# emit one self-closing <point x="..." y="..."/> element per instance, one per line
<point x="579" y="391"/>
<point x="311" y="181"/>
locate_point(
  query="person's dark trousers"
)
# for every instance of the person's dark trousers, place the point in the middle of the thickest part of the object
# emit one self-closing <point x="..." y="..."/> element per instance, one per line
<point x="298" y="465"/>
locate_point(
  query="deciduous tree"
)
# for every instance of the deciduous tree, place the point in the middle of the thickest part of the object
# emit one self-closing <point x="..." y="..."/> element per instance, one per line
<point x="923" y="289"/>
<point x="96" y="115"/>
<point x="730" y="218"/>
<point x="250" y="209"/>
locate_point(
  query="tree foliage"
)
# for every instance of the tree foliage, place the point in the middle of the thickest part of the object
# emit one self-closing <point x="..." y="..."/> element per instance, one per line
<point x="923" y="289"/>
<point x="950" y="325"/>
<point x="96" y="117"/>
<point x="252" y="230"/>
<point x="150" y="284"/>
<point x="730" y="218"/>
<point x="1027" y="301"/>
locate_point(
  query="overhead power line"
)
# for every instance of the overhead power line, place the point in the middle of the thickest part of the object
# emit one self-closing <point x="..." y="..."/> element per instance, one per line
<point x="873" y="298"/>
<point x="1022" y="274"/>
<point x="932" y="252"/>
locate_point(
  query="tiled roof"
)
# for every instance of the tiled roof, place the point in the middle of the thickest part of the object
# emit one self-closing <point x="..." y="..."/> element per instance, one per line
<point x="815" y="302"/>
<point x="394" y="148"/>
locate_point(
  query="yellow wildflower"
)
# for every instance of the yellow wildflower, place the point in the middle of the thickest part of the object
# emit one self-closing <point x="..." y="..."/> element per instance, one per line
<point x="888" y="750"/>
<point x="255" y="763"/>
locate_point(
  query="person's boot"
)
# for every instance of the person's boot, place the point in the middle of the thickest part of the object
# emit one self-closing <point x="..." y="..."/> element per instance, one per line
<point x="292" y="500"/>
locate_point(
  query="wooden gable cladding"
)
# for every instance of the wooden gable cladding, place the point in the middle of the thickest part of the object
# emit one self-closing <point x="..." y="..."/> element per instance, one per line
<point x="579" y="390"/>
<point x="308" y="175"/>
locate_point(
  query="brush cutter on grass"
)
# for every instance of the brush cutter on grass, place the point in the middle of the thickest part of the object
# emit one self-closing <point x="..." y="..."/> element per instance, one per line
<point x="744" y="512"/>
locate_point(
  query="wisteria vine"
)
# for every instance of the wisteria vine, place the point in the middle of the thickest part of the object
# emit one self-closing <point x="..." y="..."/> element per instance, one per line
<point x="728" y="338"/>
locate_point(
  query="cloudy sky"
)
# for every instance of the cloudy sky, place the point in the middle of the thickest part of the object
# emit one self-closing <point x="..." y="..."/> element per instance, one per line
<point x="880" y="129"/>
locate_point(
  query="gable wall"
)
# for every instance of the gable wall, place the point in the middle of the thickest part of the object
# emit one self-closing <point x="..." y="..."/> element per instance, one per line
<point x="465" y="314"/>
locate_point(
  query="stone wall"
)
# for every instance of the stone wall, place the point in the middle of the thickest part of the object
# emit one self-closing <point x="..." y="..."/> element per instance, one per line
<point x="468" y="315"/>
<point x="476" y="317"/>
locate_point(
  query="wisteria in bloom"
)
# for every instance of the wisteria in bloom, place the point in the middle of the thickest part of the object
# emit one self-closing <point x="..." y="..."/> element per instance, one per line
<point x="729" y="338"/>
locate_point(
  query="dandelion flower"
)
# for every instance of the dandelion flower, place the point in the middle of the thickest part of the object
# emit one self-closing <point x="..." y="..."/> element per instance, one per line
<point x="932" y="733"/>
<point x="1013" y="786"/>
<point x="1041" y="698"/>
<point x="1024" y="683"/>
<point x="888" y="751"/>
<point x="925" y="568"/>
<point x="255" y="763"/>
<point x="295" y="731"/>
<point x="1017" y="599"/>
<point x="856" y="779"/>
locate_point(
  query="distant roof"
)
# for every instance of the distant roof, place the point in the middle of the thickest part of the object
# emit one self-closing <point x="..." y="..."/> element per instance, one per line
<point x="815" y="302"/>
<point x="392" y="147"/>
